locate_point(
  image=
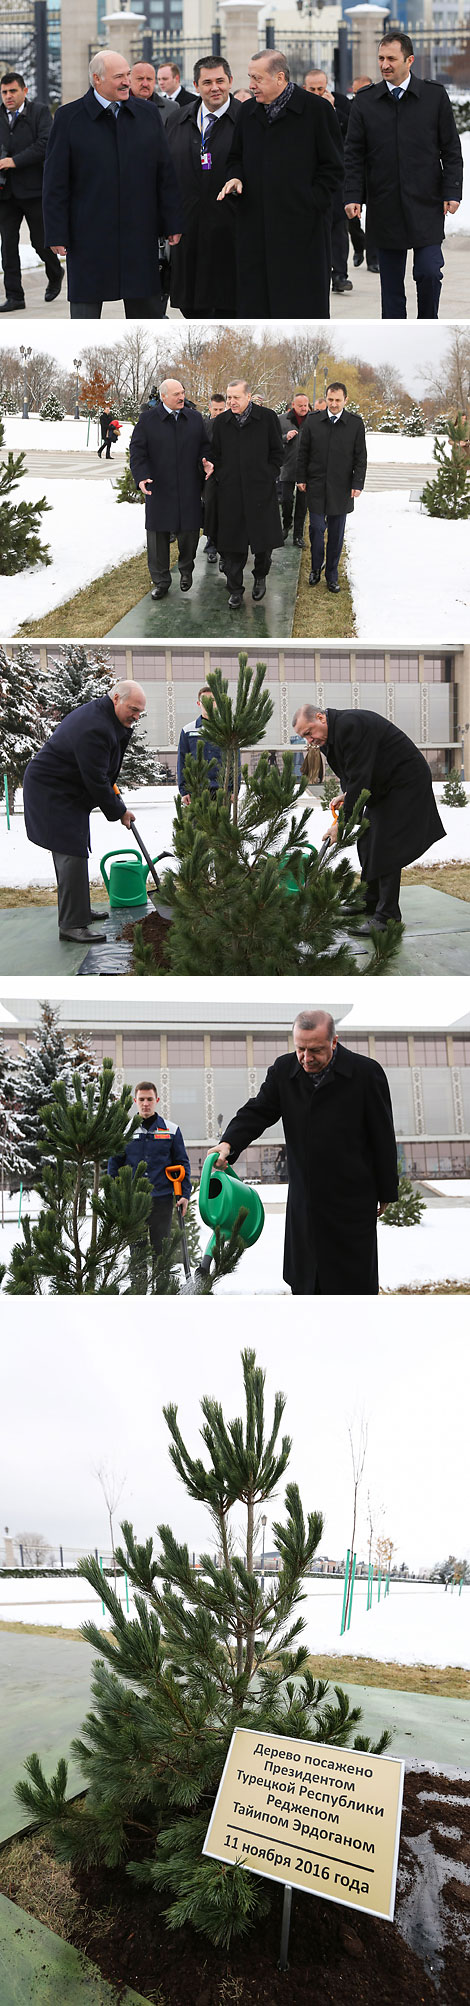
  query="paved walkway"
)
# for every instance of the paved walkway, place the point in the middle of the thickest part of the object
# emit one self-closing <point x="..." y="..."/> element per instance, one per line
<point x="80" y="465"/>
<point x="362" y="304"/>
<point x="205" y="609"/>
<point x="436" y="937"/>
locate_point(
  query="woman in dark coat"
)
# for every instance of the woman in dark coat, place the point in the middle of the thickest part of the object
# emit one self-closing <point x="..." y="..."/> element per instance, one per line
<point x="341" y="1165"/>
<point x="365" y="750"/>
<point x="289" y="169"/>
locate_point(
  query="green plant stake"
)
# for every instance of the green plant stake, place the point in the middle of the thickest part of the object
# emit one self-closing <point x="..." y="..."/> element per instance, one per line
<point x="103" y="1611"/>
<point x="346" y="1579"/>
<point x="7" y="804"/>
<point x="353" y="1576"/>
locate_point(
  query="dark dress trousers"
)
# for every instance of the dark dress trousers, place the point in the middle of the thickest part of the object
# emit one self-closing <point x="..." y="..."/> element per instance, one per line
<point x="341" y="1163"/>
<point x="332" y="459"/>
<point x="25" y="141"/>
<point x="202" y="278"/>
<point x="290" y="169"/>
<point x="242" y="509"/>
<point x="169" y="451"/>
<point x="404" y="158"/>
<point x="366" y="751"/>
<point x="110" y="192"/>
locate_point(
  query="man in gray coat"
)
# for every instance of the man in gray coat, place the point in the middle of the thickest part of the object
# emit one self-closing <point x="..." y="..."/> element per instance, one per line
<point x="331" y="467"/>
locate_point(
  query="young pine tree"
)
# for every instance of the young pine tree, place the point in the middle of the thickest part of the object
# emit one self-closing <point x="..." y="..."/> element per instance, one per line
<point x="52" y="409"/>
<point x="448" y="495"/>
<point x="75" y="677"/>
<point x="125" y="487"/>
<point x="205" y="1653"/>
<point x="408" y="1208"/>
<point x="454" y="793"/>
<point x="248" y="897"/>
<point x="414" y="426"/>
<point x="78" y="1248"/>
<point x="20" y="545"/>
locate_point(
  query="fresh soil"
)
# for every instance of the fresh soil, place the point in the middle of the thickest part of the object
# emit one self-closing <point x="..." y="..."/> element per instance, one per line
<point x="335" y="1953"/>
<point x="155" y="935"/>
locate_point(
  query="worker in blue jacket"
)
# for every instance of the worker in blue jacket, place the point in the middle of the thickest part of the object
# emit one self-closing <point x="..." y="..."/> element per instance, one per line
<point x="188" y="742"/>
<point x="156" y="1143"/>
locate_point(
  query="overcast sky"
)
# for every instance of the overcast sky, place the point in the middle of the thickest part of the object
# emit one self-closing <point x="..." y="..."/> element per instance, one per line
<point x="85" y="1384"/>
<point x="410" y="347"/>
<point x="405" y="1001"/>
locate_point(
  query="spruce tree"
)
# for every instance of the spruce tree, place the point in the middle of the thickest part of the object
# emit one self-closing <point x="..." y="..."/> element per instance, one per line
<point x="20" y="545"/>
<point x="52" y="409"/>
<point x="75" y="677"/>
<point x="448" y="495"/>
<point x="454" y="793"/>
<point x="205" y="1653"/>
<point x="248" y="897"/>
<point x="125" y="487"/>
<point x="38" y="1068"/>
<point x="414" y="425"/>
<point x="2" y="430"/>
<point x="408" y="1208"/>
<point x="389" y="422"/>
<point x="22" y="726"/>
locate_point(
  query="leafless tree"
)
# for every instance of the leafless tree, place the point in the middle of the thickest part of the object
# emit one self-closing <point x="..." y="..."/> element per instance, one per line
<point x="35" y="1549"/>
<point x="112" y="1487"/>
<point x="358" y="1456"/>
<point x="447" y="380"/>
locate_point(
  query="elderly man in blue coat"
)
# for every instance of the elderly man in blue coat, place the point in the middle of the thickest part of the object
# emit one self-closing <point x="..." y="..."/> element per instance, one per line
<point x="109" y="192"/>
<point x="74" y="772"/>
<point x="167" y="461"/>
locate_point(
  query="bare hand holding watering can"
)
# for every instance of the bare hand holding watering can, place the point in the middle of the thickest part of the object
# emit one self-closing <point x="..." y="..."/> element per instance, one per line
<point x="128" y="818"/>
<point x="331" y="834"/>
<point x="223" y="1156"/>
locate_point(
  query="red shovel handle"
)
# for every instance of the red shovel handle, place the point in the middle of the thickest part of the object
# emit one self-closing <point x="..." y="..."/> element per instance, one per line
<point x="175" y="1173"/>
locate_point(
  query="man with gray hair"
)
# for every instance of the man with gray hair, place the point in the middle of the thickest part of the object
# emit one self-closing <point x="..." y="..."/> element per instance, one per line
<point x="110" y="192"/>
<point x="336" y="1113"/>
<point x="74" y="772"/>
<point x="284" y="166"/>
<point x="167" y="461"/>
<point x="401" y="816"/>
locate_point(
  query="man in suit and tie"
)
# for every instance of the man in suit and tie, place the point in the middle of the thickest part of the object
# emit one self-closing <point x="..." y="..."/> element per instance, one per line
<point x="331" y="467"/>
<point x="404" y="158"/>
<point x="24" y="133"/>
<point x="203" y="275"/>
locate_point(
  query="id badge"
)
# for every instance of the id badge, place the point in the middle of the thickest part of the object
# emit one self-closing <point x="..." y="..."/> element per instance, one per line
<point x="206" y="159"/>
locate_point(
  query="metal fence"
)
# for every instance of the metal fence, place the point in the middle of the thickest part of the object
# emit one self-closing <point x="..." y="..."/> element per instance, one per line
<point x="30" y="41"/>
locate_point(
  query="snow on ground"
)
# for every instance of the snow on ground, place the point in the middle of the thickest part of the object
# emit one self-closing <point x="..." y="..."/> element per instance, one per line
<point x="68" y="435"/>
<point x="391" y="448"/>
<point x="449" y="1186"/>
<point x="87" y="531"/>
<point x="416" y="1623"/>
<point x="417" y="586"/>
<point x="435" y="1251"/>
<point x="22" y="863"/>
<point x="462" y="219"/>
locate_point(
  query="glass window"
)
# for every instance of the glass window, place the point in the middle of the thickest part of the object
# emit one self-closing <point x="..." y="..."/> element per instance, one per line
<point x="266" y="1050"/>
<point x="370" y="668"/>
<point x="462" y="1051"/>
<point x="228" y="1052"/>
<point x="185" y="1051"/>
<point x="430" y="1052"/>
<point x="140" y="1051"/>
<point x="391" y="1051"/>
<point x="439" y="1117"/>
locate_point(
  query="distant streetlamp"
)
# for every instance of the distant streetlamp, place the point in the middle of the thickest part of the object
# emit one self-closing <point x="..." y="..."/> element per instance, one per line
<point x="264" y="1524"/>
<point x="463" y="729"/>
<point x="76" y="364"/>
<point x="25" y="355"/>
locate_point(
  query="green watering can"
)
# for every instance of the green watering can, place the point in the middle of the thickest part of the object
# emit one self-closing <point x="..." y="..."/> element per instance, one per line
<point x="288" y="882"/>
<point x="127" y="880"/>
<point x="221" y="1196"/>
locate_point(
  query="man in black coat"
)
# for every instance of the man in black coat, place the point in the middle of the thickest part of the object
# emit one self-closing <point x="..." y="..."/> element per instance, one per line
<point x="73" y="773"/>
<point x="243" y="513"/>
<point x="337" y="1118"/>
<point x="285" y="164"/>
<point x="110" y="192"/>
<point x="24" y="133"/>
<point x="291" y="426"/>
<point x="331" y="467"/>
<point x="167" y="462"/>
<point x="202" y="279"/>
<point x="171" y="90"/>
<point x="404" y="158"/>
<point x="316" y="81"/>
<point x="401" y="813"/>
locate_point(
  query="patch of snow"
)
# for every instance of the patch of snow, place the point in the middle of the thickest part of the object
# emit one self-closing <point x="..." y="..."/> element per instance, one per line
<point x="417" y="586"/>
<point x="67" y="435"/>
<point x="88" y="532"/>
<point x="392" y="448"/>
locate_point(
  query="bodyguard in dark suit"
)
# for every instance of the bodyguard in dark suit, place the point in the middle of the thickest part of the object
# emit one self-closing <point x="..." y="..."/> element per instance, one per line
<point x="73" y="773"/>
<point x="202" y="280"/>
<point x="167" y="461"/>
<point x="291" y="427"/>
<point x="284" y="166"/>
<point x="365" y="750"/>
<point x="337" y="1118"/>
<point x="171" y="90"/>
<point x="332" y="466"/>
<point x="404" y="158"/>
<point x="245" y="459"/>
<point x="110" y="192"/>
<point x="24" y="133"/>
<point x="316" y="82"/>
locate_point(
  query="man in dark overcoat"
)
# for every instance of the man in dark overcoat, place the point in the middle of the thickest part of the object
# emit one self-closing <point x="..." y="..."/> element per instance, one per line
<point x="331" y="468"/>
<point x="243" y="513"/>
<point x="285" y="164"/>
<point x="202" y="278"/>
<point x="74" y="772"/>
<point x="404" y="158"/>
<point x="293" y="499"/>
<point x="337" y="1118"/>
<point x="167" y="461"/>
<point x="110" y="191"/>
<point x="24" y="133"/>
<point x="403" y="820"/>
<point x="316" y="81"/>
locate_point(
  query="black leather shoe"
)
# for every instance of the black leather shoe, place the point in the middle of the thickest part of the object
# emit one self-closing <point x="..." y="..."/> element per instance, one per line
<point x="373" y="267"/>
<point x="221" y="564"/>
<point x="259" y="589"/>
<point x="235" y="600"/>
<point x="52" y="290"/>
<point x="211" y="556"/>
<point x="13" y="306"/>
<point x="186" y="581"/>
<point x="372" y="926"/>
<point x="331" y="586"/>
<point x="160" y="591"/>
<point x="98" y="913"/>
<point x="82" y="933"/>
<point x="298" y="542"/>
<point x="358" y="258"/>
<point x="315" y="576"/>
<point x="342" y="285"/>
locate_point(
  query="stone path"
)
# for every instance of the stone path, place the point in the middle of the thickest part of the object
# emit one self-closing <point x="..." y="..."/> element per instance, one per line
<point x="205" y="609"/>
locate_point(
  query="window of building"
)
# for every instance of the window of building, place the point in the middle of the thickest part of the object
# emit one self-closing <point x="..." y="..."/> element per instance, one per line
<point x="266" y="1050"/>
<point x="185" y="667"/>
<point x="335" y="667"/>
<point x="369" y="669"/>
<point x="140" y="1052"/>
<point x="391" y="1051"/>
<point x="355" y="1044"/>
<point x="185" y="1051"/>
<point x="104" y="1046"/>
<point x="462" y="1051"/>
<point x="228" y="1051"/>
<point x="404" y="668"/>
<point x="147" y="666"/>
<point x="299" y="668"/>
<point x="430" y="1052"/>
